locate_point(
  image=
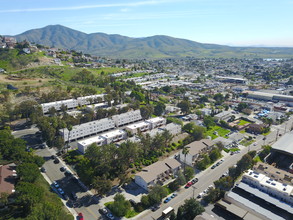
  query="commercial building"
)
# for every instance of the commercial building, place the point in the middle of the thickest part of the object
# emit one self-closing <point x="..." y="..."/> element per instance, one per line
<point x="225" y="115"/>
<point x="157" y="173"/>
<point x="126" y="118"/>
<point x="87" y="129"/>
<point x="194" y="150"/>
<point x="269" y="96"/>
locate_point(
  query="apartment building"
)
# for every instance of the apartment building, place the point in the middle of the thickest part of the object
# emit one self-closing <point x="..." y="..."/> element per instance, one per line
<point x="84" y="144"/>
<point x="158" y="172"/>
<point x="138" y="127"/>
<point x="72" y="103"/>
<point x="194" y="150"/>
<point x="126" y="118"/>
<point x="156" y="122"/>
<point x="87" y="129"/>
<point x="114" y="136"/>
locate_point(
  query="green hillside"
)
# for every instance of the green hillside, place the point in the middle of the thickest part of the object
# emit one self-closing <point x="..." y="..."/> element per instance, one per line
<point x="118" y="46"/>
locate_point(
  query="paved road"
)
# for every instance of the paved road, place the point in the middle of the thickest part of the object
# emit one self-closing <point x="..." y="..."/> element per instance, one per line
<point x="86" y="203"/>
<point x="208" y="176"/>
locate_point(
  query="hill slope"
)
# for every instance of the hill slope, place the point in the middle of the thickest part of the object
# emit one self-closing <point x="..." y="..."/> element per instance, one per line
<point x="150" y="47"/>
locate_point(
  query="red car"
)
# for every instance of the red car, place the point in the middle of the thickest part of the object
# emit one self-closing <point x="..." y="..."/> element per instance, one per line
<point x="188" y="185"/>
<point x="80" y="216"/>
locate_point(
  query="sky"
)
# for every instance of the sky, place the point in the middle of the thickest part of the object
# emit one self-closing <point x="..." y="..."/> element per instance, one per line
<point x="226" y="22"/>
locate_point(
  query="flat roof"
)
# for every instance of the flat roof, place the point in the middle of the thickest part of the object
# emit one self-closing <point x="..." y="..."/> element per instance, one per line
<point x="154" y="120"/>
<point x="112" y="133"/>
<point x="232" y="208"/>
<point x="91" y="140"/>
<point x="137" y="125"/>
<point x="266" y="197"/>
<point x="285" y="143"/>
<point x="253" y="206"/>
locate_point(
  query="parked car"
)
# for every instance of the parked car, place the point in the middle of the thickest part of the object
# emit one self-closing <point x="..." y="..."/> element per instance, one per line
<point x="155" y="207"/>
<point x="103" y="211"/>
<point x="188" y="185"/>
<point x="195" y="180"/>
<point x="53" y="157"/>
<point x="80" y="216"/>
<point x="67" y="173"/>
<point x="110" y="216"/>
<point x="200" y="195"/>
<point x="62" y="169"/>
<point x="214" y="166"/>
<point x="65" y="196"/>
<point x="174" y="195"/>
<point x="56" y="160"/>
<point x="43" y="169"/>
<point x="74" y="196"/>
<point x="55" y="184"/>
<point x="61" y="191"/>
<point x="168" y="199"/>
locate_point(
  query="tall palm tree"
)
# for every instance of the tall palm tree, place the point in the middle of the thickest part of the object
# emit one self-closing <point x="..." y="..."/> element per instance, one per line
<point x="185" y="151"/>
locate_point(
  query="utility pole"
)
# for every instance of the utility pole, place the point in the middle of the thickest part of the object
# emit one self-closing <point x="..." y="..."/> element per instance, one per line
<point x="277" y="134"/>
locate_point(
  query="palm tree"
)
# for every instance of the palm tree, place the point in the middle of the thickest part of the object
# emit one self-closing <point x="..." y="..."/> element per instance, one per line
<point x="185" y="151"/>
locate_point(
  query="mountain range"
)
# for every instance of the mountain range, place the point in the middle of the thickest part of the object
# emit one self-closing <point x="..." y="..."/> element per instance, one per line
<point x="159" y="46"/>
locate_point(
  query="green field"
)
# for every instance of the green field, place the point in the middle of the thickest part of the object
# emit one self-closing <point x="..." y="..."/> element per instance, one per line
<point x="222" y="132"/>
<point x="243" y="122"/>
<point x="246" y="142"/>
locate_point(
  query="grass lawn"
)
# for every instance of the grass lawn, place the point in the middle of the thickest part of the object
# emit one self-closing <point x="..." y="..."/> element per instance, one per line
<point x="265" y="134"/>
<point x="242" y="131"/>
<point x="257" y="159"/>
<point x="221" y="132"/>
<point x="246" y="142"/>
<point x="243" y="122"/>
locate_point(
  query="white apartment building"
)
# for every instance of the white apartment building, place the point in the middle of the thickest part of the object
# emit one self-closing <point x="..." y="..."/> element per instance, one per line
<point x="156" y="122"/>
<point x="69" y="103"/>
<point x="84" y="144"/>
<point x="87" y="129"/>
<point x="72" y="103"/>
<point x="138" y="127"/>
<point x="114" y="136"/>
<point x="126" y="118"/>
<point x="281" y="191"/>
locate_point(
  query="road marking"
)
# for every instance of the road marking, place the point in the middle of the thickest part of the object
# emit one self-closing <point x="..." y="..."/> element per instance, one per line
<point x="92" y="213"/>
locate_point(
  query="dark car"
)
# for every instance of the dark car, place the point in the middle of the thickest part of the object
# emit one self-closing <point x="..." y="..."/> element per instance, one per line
<point x="67" y="173"/>
<point x="53" y="157"/>
<point x="56" y="160"/>
<point x="65" y="196"/>
<point x="155" y="208"/>
<point x="74" y="196"/>
<point x="43" y="169"/>
<point x="103" y="211"/>
<point x="62" y="169"/>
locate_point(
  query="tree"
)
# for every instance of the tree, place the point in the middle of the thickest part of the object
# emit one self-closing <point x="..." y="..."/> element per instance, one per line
<point x="102" y="185"/>
<point x="219" y="98"/>
<point x="28" y="172"/>
<point x="28" y="195"/>
<point x="213" y="195"/>
<point x="225" y="183"/>
<point x="191" y="208"/>
<point x="4" y="198"/>
<point x="209" y="121"/>
<point x="198" y="132"/>
<point x="185" y="151"/>
<point x="120" y="206"/>
<point x="189" y="173"/>
<point x="159" y="109"/>
<point x="146" y="111"/>
<point x="184" y="106"/>
<point x="145" y="201"/>
<point x="215" y="154"/>
<point x="201" y="165"/>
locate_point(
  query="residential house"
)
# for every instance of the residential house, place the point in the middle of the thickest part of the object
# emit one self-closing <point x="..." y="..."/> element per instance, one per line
<point x="195" y="149"/>
<point x="138" y="127"/>
<point x="156" y="122"/>
<point x="7" y="178"/>
<point x="114" y="136"/>
<point x="223" y="116"/>
<point x="126" y="118"/>
<point x="84" y="144"/>
<point x="157" y="173"/>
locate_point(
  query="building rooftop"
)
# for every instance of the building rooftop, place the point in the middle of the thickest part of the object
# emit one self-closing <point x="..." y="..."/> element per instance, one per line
<point x="114" y="133"/>
<point x="89" y="141"/>
<point x="137" y="125"/>
<point x="7" y="178"/>
<point x="154" y="120"/>
<point x="285" y="143"/>
<point x="196" y="146"/>
<point x="152" y="172"/>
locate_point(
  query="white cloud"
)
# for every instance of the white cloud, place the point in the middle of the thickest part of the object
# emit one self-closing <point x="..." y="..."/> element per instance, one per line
<point x="82" y="7"/>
